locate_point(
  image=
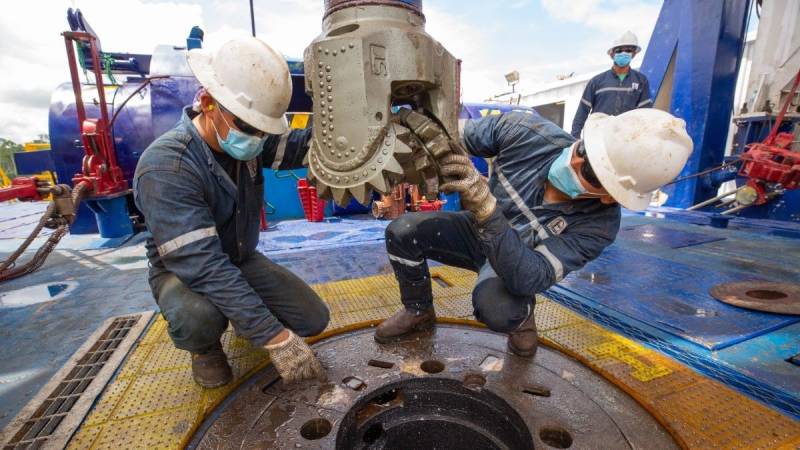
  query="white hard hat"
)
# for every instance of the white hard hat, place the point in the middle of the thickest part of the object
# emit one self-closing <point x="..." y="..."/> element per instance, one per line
<point x="636" y="153"/>
<point x="248" y="78"/>
<point x="626" y="40"/>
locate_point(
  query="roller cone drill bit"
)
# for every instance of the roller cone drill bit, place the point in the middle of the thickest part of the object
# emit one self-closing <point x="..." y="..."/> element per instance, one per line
<point x="373" y="55"/>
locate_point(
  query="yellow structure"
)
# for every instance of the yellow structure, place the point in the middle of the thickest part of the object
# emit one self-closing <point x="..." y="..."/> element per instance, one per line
<point x="153" y="402"/>
<point x="35" y="146"/>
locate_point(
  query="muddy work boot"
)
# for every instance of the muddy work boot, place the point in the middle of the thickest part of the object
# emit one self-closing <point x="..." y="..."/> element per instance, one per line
<point x="404" y="323"/>
<point x="211" y="369"/>
<point x="523" y="341"/>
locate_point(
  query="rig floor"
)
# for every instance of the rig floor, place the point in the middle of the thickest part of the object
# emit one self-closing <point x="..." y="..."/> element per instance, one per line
<point x="637" y="352"/>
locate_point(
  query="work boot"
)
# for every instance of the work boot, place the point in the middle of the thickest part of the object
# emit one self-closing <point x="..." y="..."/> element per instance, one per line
<point x="523" y="341"/>
<point x="404" y="323"/>
<point x="211" y="369"/>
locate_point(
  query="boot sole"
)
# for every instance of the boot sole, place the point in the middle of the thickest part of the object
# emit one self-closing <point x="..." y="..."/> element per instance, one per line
<point x="205" y="385"/>
<point x="420" y="328"/>
<point x="522" y="353"/>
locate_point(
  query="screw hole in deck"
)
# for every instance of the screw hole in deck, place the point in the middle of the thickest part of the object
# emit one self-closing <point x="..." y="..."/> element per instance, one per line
<point x="536" y="390"/>
<point x="315" y="429"/>
<point x="474" y="381"/>
<point x="766" y="294"/>
<point x="432" y="366"/>
<point x="556" y="437"/>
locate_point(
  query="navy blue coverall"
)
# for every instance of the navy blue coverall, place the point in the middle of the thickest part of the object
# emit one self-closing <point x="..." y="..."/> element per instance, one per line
<point x="204" y="225"/>
<point x="525" y="247"/>
<point x="606" y="93"/>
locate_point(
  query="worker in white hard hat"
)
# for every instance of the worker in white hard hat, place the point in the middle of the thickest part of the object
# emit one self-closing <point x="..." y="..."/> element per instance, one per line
<point x="617" y="90"/>
<point x="551" y="205"/>
<point x="200" y="187"/>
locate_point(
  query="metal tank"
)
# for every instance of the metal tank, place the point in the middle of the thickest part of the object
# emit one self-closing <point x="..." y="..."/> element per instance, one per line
<point x="371" y="56"/>
<point x="146" y="115"/>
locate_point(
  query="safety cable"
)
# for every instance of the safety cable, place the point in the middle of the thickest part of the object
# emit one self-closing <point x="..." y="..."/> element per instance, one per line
<point x="705" y="172"/>
<point x="51" y="218"/>
<point x="136" y="91"/>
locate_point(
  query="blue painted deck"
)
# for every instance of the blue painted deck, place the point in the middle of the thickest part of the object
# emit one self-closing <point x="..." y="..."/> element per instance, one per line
<point x="652" y="285"/>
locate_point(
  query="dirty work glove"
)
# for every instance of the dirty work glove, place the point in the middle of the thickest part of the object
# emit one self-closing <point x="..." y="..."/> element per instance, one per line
<point x="461" y="176"/>
<point x="294" y="360"/>
<point x="455" y="166"/>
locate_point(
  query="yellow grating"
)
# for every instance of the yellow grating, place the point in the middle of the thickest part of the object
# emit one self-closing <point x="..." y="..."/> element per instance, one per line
<point x="154" y="404"/>
<point x="643" y="368"/>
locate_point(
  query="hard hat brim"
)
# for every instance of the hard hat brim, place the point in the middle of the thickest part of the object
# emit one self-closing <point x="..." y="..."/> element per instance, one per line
<point x="594" y="136"/>
<point x="200" y="64"/>
<point x="638" y="49"/>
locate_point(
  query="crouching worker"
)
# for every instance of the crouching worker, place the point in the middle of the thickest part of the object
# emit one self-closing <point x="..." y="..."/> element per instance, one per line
<point x="200" y="187"/>
<point x="551" y="205"/>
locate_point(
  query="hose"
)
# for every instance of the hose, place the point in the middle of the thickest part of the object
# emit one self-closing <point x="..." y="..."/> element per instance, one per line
<point x="8" y="268"/>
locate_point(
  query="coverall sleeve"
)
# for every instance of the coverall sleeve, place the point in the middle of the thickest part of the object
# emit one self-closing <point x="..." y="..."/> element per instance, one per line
<point x="186" y="237"/>
<point x="644" y="98"/>
<point x="584" y="108"/>
<point x="479" y="136"/>
<point x="286" y="151"/>
<point x="527" y="271"/>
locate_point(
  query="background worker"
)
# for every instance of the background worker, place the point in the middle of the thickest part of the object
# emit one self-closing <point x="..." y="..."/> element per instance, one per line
<point x="200" y="187"/>
<point x="615" y="91"/>
<point x="550" y="206"/>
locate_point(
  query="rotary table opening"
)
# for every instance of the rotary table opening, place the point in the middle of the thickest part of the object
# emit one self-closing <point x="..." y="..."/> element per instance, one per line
<point x="454" y="388"/>
<point x="433" y="413"/>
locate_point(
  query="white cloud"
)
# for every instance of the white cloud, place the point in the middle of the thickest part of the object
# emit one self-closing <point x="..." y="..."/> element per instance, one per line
<point x="34" y="59"/>
<point x="480" y="75"/>
<point x="609" y="17"/>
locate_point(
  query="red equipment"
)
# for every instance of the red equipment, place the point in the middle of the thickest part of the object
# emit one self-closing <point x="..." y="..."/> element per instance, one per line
<point x="22" y="188"/>
<point x="99" y="169"/>
<point x="425" y="206"/>
<point x="773" y="161"/>
<point x="391" y="206"/>
<point x="313" y="206"/>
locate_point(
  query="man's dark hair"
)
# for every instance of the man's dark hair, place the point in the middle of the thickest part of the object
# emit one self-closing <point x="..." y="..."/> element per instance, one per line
<point x="586" y="168"/>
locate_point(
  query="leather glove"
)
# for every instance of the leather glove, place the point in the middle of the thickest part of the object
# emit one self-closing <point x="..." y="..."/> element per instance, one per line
<point x="461" y="176"/>
<point x="294" y="360"/>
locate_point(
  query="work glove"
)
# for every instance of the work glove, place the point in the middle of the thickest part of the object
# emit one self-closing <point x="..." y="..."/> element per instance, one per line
<point x="455" y="168"/>
<point x="461" y="176"/>
<point x="294" y="360"/>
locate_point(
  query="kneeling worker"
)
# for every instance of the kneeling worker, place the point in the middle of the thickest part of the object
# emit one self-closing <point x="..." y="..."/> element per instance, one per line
<point x="550" y="206"/>
<point x="201" y="188"/>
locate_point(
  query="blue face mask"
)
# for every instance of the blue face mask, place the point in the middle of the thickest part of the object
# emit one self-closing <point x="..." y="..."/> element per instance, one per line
<point x="239" y="145"/>
<point x="623" y="59"/>
<point x="563" y="177"/>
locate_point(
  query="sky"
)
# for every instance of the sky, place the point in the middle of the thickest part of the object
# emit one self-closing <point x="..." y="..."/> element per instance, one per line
<point x="542" y="39"/>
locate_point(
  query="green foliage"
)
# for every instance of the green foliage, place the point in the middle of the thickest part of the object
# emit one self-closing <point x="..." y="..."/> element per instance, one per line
<point x="7" y="150"/>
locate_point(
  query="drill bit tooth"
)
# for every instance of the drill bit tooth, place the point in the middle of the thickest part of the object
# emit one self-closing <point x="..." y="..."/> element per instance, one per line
<point x="341" y="196"/>
<point x="379" y="183"/>
<point x="323" y="190"/>
<point x="392" y="166"/>
<point x="361" y="193"/>
<point x="401" y="148"/>
<point x="366" y="147"/>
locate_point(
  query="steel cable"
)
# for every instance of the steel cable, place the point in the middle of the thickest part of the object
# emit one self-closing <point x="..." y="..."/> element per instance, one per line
<point x="8" y="268"/>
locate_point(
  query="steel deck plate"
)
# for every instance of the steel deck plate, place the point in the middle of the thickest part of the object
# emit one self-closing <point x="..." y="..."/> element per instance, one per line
<point x="670" y="296"/>
<point x="668" y="237"/>
<point x="153" y="403"/>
